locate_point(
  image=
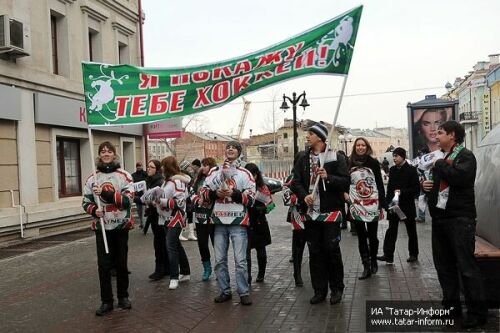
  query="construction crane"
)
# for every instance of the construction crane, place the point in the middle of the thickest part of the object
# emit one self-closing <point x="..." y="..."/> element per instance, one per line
<point x="243" y="119"/>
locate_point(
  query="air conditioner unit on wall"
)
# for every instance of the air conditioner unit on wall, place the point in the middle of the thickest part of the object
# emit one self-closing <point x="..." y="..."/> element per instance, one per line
<point x="12" y="37"/>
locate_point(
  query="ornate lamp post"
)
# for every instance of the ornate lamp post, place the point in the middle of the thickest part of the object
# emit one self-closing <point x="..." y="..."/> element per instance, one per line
<point x="345" y="139"/>
<point x="284" y="106"/>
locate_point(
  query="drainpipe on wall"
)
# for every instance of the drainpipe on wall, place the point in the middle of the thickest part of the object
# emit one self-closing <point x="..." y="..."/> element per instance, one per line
<point x="21" y="210"/>
<point x="141" y="44"/>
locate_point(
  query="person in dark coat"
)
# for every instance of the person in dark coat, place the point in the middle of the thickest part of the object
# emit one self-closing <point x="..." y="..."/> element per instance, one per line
<point x="403" y="179"/>
<point x="201" y="216"/>
<point x="453" y="211"/>
<point x="323" y="206"/>
<point x="153" y="180"/>
<point x="259" y="235"/>
<point x="138" y="176"/>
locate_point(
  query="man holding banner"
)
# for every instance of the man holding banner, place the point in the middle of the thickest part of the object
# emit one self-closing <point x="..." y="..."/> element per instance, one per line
<point x="322" y="206"/>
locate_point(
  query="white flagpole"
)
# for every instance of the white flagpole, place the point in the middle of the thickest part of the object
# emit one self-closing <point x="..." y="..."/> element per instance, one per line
<point x="96" y="198"/>
<point x="330" y="135"/>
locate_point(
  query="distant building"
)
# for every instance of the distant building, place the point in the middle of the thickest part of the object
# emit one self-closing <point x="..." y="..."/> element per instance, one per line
<point x="159" y="149"/>
<point x="260" y="147"/>
<point x="200" y="145"/>
<point x="379" y="141"/>
<point x="473" y="96"/>
<point x="493" y="82"/>
<point x="398" y="136"/>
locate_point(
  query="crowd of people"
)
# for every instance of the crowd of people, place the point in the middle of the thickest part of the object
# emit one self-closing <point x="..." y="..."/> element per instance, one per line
<point x="227" y="204"/>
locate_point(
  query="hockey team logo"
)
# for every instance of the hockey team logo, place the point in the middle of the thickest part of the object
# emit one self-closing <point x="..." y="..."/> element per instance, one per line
<point x="337" y="41"/>
<point x="364" y="187"/>
<point x="104" y="93"/>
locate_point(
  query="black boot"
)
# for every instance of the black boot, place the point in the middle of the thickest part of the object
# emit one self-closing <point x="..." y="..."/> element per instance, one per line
<point x="366" y="270"/>
<point x="249" y="268"/>
<point x="297" y="267"/>
<point x="262" y="262"/>
<point x="104" y="309"/>
<point x="374" y="266"/>
<point x="373" y="258"/>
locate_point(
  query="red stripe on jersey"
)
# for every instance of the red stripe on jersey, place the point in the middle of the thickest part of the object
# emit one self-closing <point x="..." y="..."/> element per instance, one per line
<point x="125" y="174"/>
<point x="118" y="199"/>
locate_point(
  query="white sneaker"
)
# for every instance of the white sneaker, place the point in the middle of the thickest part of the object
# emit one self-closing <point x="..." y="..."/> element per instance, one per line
<point x="184" y="278"/>
<point x="181" y="236"/>
<point x="173" y="284"/>
<point x="191" y="233"/>
<point x="191" y="236"/>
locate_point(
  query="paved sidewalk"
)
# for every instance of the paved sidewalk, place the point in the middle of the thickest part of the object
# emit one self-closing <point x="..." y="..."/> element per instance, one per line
<point x="56" y="289"/>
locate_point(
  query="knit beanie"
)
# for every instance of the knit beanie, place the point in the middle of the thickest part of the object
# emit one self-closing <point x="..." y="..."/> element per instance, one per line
<point x="400" y="152"/>
<point x="236" y="145"/>
<point x="320" y="130"/>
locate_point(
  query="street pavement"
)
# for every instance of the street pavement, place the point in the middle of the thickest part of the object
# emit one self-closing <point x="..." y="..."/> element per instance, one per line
<point x="56" y="289"/>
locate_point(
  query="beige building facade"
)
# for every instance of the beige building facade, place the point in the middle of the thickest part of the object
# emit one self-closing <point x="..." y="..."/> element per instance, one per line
<point x="44" y="141"/>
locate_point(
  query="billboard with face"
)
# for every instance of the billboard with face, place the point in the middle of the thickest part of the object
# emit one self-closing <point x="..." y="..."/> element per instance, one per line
<point x="425" y="123"/>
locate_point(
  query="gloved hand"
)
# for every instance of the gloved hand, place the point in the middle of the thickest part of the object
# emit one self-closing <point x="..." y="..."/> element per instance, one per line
<point x="108" y="196"/>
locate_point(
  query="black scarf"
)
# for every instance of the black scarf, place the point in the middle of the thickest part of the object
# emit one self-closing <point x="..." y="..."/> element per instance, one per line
<point x="108" y="167"/>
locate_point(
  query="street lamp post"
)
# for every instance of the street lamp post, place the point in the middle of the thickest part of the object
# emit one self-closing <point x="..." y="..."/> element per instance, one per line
<point x="284" y="106"/>
<point x="345" y="139"/>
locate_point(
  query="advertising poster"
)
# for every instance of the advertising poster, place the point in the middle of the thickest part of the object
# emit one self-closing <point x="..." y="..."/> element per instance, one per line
<point x="425" y="123"/>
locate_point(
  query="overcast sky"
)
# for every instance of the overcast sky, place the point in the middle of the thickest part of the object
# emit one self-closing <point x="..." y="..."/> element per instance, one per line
<point x="401" y="45"/>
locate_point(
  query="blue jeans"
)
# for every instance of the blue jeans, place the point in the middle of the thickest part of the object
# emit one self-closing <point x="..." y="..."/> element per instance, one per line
<point x="238" y="236"/>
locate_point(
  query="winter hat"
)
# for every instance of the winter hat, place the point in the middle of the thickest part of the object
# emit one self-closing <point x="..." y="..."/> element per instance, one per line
<point x="400" y="152"/>
<point x="320" y="130"/>
<point x="184" y="165"/>
<point x="236" y="145"/>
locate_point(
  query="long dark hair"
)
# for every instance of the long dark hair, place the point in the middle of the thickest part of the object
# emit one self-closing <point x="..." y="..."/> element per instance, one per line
<point x="254" y="170"/>
<point x="355" y="157"/>
<point x="157" y="165"/>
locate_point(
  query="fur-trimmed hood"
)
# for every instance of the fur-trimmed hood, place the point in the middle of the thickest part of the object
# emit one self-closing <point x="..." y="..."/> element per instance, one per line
<point x="181" y="177"/>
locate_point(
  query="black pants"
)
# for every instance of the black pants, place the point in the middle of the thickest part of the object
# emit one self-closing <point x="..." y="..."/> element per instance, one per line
<point x="116" y="258"/>
<point x="298" y="245"/>
<point x="160" y="245"/>
<point x="391" y="236"/>
<point x="367" y="234"/>
<point x="176" y="255"/>
<point x="203" y="233"/>
<point x="325" y="258"/>
<point x="453" y="242"/>
<point x="261" y="260"/>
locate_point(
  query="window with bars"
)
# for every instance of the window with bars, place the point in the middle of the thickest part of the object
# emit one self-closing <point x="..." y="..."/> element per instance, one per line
<point x="68" y="167"/>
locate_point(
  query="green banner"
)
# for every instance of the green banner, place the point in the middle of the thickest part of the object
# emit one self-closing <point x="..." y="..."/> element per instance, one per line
<point x="124" y="94"/>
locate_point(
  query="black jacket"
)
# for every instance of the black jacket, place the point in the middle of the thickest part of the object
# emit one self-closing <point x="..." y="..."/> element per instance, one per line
<point x="259" y="234"/>
<point x="337" y="183"/>
<point x="404" y="179"/>
<point x="460" y="175"/>
<point x="374" y="165"/>
<point x="152" y="182"/>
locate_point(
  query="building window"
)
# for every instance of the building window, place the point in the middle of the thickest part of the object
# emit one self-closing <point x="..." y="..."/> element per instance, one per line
<point x="53" y="33"/>
<point x="123" y="53"/>
<point x="285" y="135"/>
<point x="94" y="45"/>
<point x="285" y="149"/>
<point x="68" y="167"/>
